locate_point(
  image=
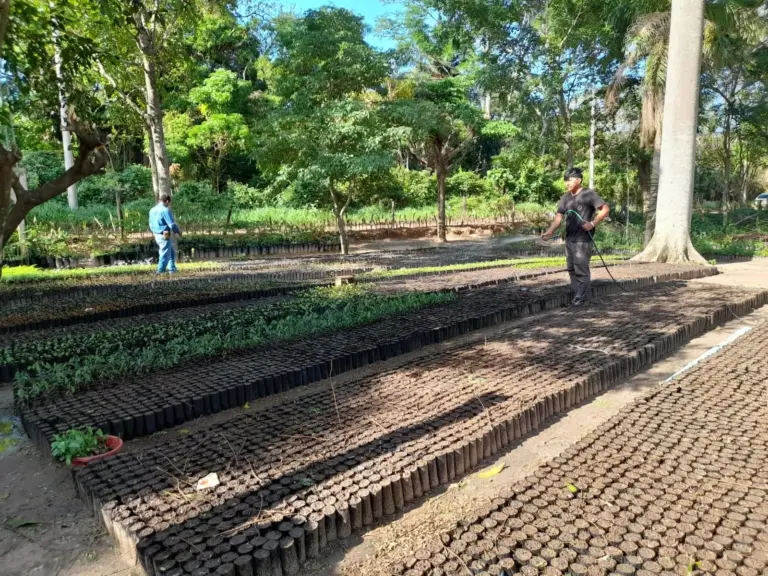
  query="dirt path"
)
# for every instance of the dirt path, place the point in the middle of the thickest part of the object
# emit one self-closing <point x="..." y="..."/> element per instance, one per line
<point x="44" y="529"/>
<point x="62" y="538"/>
<point x="454" y="242"/>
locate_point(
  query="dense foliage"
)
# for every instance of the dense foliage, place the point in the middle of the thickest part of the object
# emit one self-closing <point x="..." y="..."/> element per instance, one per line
<point x="482" y="104"/>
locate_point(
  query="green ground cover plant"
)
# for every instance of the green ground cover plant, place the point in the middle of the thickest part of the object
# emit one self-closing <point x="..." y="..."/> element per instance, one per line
<point x="105" y="356"/>
<point x="517" y="263"/>
<point x="24" y="274"/>
<point x="78" y="444"/>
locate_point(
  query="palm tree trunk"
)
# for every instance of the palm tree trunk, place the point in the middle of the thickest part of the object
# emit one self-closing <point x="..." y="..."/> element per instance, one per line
<point x="726" y="169"/>
<point x="649" y="203"/>
<point x="672" y="236"/>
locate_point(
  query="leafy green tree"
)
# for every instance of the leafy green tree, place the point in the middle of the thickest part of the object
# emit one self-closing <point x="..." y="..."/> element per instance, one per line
<point x="221" y="101"/>
<point x="440" y="124"/>
<point x="143" y="36"/>
<point x="328" y="155"/>
<point x="27" y="30"/>
<point x="671" y="240"/>
<point x="466" y="183"/>
<point x="323" y="138"/>
<point x="729" y="27"/>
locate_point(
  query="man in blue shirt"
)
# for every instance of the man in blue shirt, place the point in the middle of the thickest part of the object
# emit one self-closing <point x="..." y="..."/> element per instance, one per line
<point x="162" y="225"/>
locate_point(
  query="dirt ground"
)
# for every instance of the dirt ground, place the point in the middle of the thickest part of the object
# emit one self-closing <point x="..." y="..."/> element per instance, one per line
<point x="45" y="530"/>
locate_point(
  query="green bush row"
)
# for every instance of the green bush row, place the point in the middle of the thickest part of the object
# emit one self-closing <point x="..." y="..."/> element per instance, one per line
<point x="161" y="346"/>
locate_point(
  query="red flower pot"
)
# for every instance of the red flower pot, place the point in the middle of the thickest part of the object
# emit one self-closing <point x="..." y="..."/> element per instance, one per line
<point x="113" y="444"/>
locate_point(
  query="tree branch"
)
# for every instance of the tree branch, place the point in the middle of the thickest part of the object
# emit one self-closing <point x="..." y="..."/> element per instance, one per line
<point x="346" y="204"/>
<point x="461" y="148"/>
<point x="91" y="159"/>
<point x="127" y="99"/>
<point x="421" y="157"/>
<point x="169" y="29"/>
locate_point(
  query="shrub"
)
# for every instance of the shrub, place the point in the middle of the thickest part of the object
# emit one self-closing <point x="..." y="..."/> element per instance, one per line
<point x="134" y="183"/>
<point x="194" y="192"/>
<point x="245" y="196"/>
<point x="465" y="183"/>
<point x="419" y="186"/>
<point x="525" y="176"/>
<point x="42" y="167"/>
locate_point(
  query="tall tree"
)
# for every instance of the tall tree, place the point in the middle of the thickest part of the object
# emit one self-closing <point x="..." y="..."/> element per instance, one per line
<point x="647" y="42"/>
<point x="324" y="135"/>
<point x="728" y="25"/>
<point x="142" y="35"/>
<point x="671" y="240"/>
<point x="733" y="75"/>
<point x="441" y="124"/>
<point x="66" y="135"/>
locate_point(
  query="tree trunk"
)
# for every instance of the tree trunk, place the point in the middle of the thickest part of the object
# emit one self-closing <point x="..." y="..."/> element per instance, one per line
<point x="672" y="236"/>
<point x="649" y="207"/>
<point x="343" y="239"/>
<point x="341" y="225"/>
<point x="152" y="162"/>
<point x="592" y="130"/>
<point x="726" y="169"/>
<point x="566" y="118"/>
<point x="644" y="182"/>
<point x="441" y="177"/>
<point x="157" y="134"/>
<point x="66" y="135"/>
<point x="119" y="208"/>
<point x="21" y="174"/>
<point x="8" y="160"/>
<point x="744" y="184"/>
<point x="487" y="105"/>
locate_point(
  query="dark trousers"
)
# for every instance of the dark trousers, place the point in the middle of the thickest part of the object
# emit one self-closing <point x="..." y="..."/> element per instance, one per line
<point x="577" y="256"/>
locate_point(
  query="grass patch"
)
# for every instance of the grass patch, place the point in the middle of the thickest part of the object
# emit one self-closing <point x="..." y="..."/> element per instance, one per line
<point x="512" y="263"/>
<point x="6" y="443"/>
<point x="17" y="274"/>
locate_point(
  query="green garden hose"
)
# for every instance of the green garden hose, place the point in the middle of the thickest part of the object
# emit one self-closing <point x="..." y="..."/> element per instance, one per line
<point x="592" y="237"/>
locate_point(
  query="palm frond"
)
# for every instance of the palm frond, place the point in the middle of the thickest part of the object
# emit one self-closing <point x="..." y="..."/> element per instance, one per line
<point x="649" y="31"/>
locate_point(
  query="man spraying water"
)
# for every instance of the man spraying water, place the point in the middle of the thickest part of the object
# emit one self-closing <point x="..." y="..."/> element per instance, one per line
<point x="583" y="210"/>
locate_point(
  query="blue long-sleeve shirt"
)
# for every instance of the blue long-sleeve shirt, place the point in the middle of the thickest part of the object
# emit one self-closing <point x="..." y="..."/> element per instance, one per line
<point x="161" y="219"/>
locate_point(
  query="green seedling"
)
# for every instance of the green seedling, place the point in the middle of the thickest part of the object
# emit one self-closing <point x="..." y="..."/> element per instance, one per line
<point x="77" y="444"/>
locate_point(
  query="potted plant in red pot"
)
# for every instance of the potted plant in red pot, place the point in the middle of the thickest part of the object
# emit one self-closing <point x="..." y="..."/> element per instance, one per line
<point x="78" y="448"/>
